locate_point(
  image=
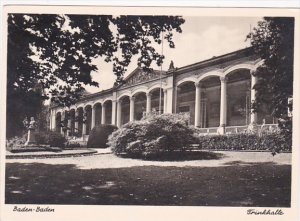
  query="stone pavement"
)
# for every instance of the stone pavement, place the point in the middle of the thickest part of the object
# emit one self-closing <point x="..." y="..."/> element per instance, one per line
<point x="104" y="159"/>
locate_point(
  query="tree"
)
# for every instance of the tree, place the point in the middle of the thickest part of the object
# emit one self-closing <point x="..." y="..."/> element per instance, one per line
<point x="59" y="49"/>
<point x="273" y="41"/>
<point x="56" y="52"/>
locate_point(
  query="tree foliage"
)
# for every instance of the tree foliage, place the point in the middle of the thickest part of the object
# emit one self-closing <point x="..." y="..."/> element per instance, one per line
<point x="273" y="41"/>
<point x="58" y="50"/>
<point x="55" y="54"/>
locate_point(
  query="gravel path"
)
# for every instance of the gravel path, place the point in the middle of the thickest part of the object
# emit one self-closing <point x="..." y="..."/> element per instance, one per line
<point x="104" y="159"/>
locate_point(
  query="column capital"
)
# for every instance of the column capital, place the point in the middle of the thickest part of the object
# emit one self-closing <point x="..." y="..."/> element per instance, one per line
<point x="223" y="79"/>
<point x="198" y="84"/>
<point x="165" y="90"/>
<point x="103" y="105"/>
<point x="148" y="94"/>
<point x="132" y="98"/>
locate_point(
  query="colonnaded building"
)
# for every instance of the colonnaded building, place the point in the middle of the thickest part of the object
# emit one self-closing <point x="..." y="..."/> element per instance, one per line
<point x="217" y="93"/>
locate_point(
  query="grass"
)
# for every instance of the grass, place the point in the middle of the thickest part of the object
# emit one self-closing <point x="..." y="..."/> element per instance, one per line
<point x="236" y="184"/>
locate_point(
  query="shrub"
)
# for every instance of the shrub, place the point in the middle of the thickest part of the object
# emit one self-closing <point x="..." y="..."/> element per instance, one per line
<point x="52" y="138"/>
<point x="15" y="142"/>
<point x="99" y="135"/>
<point x="153" y="135"/>
<point x="72" y="145"/>
<point x="274" y="142"/>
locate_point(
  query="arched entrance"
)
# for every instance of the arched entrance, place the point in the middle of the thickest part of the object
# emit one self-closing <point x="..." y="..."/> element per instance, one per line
<point x="139" y="105"/>
<point x="79" y="120"/>
<point x="210" y="102"/>
<point x="98" y="113"/>
<point x="185" y="102"/>
<point x="72" y="118"/>
<point x="155" y="95"/>
<point x="125" y="109"/>
<point x="239" y="100"/>
<point x="58" y="122"/>
<point x="107" y="106"/>
<point x="88" y="116"/>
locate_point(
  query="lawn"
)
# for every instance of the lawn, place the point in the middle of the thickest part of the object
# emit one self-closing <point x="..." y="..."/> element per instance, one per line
<point x="264" y="184"/>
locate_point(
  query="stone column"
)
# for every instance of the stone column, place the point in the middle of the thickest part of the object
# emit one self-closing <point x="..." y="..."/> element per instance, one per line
<point x="113" y="110"/>
<point x="165" y="100"/>
<point x="131" y="115"/>
<point x="84" y="123"/>
<point x="51" y="120"/>
<point x="177" y="91"/>
<point x="93" y="123"/>
<point x="223" y="105"/>
<point x="103" y="114"/>
<point x="76" y="121"/>
<point x="253" y="115"/>
<point x="53" y="116"/>
<point x="54" y="121"/>
<point x="62" y="119"/>
<point x="169" y="105"/>
<point x="197" y="104"/>
<point x="119" y="112"/>
<point x="50" y="116"/>
<point x="148" y="104"/>
<point x="69" y="123"/>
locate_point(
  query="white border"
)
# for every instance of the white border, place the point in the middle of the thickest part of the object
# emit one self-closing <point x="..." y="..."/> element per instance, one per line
<point x="183" y="3"/>
<point x="138" y="213"/>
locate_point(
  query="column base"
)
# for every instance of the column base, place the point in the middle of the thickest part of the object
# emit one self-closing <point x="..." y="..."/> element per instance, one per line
<point x="222" y="129"/>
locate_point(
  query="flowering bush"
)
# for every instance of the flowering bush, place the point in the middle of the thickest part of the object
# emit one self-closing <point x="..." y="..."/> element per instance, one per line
<point x="152" y="135"/>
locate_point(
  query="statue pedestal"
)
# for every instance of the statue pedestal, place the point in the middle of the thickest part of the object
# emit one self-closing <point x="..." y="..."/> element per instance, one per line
<point x="221" y="130"/>
<point x="30" y="138"/>
<point x="252" y="128"/>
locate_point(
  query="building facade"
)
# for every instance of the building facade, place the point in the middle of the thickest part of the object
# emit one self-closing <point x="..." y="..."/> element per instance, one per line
<point x="216" y="93"/>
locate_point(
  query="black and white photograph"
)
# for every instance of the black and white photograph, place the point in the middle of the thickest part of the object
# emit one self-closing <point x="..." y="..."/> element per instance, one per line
<point x="150" y="107"/>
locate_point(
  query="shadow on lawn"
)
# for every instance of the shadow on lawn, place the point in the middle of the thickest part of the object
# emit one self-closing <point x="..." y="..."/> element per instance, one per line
<point x="179" y="156"/>
<point x="261" y="184"/>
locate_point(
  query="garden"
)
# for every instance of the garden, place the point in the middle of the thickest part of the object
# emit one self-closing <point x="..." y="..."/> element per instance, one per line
<point x="170" y="135"/>
<point x="160" y="137"/>
<point x="159" y="160"/>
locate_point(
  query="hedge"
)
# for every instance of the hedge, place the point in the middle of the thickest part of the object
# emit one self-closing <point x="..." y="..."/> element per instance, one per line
<point x="52" y="138"/>
<point x="275" y="142"/>
<point x="98" y="136"/>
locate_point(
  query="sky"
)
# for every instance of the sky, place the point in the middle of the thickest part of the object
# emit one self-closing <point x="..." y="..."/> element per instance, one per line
<point x="201" y="39"/>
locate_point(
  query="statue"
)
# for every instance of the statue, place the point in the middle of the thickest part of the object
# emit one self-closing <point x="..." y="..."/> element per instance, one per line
<point x="171" y="66"/>
<point x="31" y="126"/>
<point x="26" y="123"/>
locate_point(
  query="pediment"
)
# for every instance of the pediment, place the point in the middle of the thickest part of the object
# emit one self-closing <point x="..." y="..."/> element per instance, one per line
<point x="139" y="76"/>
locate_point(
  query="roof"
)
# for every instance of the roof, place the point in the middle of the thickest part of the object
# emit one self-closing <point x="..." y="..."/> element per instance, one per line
<point x="246" y="52"/>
